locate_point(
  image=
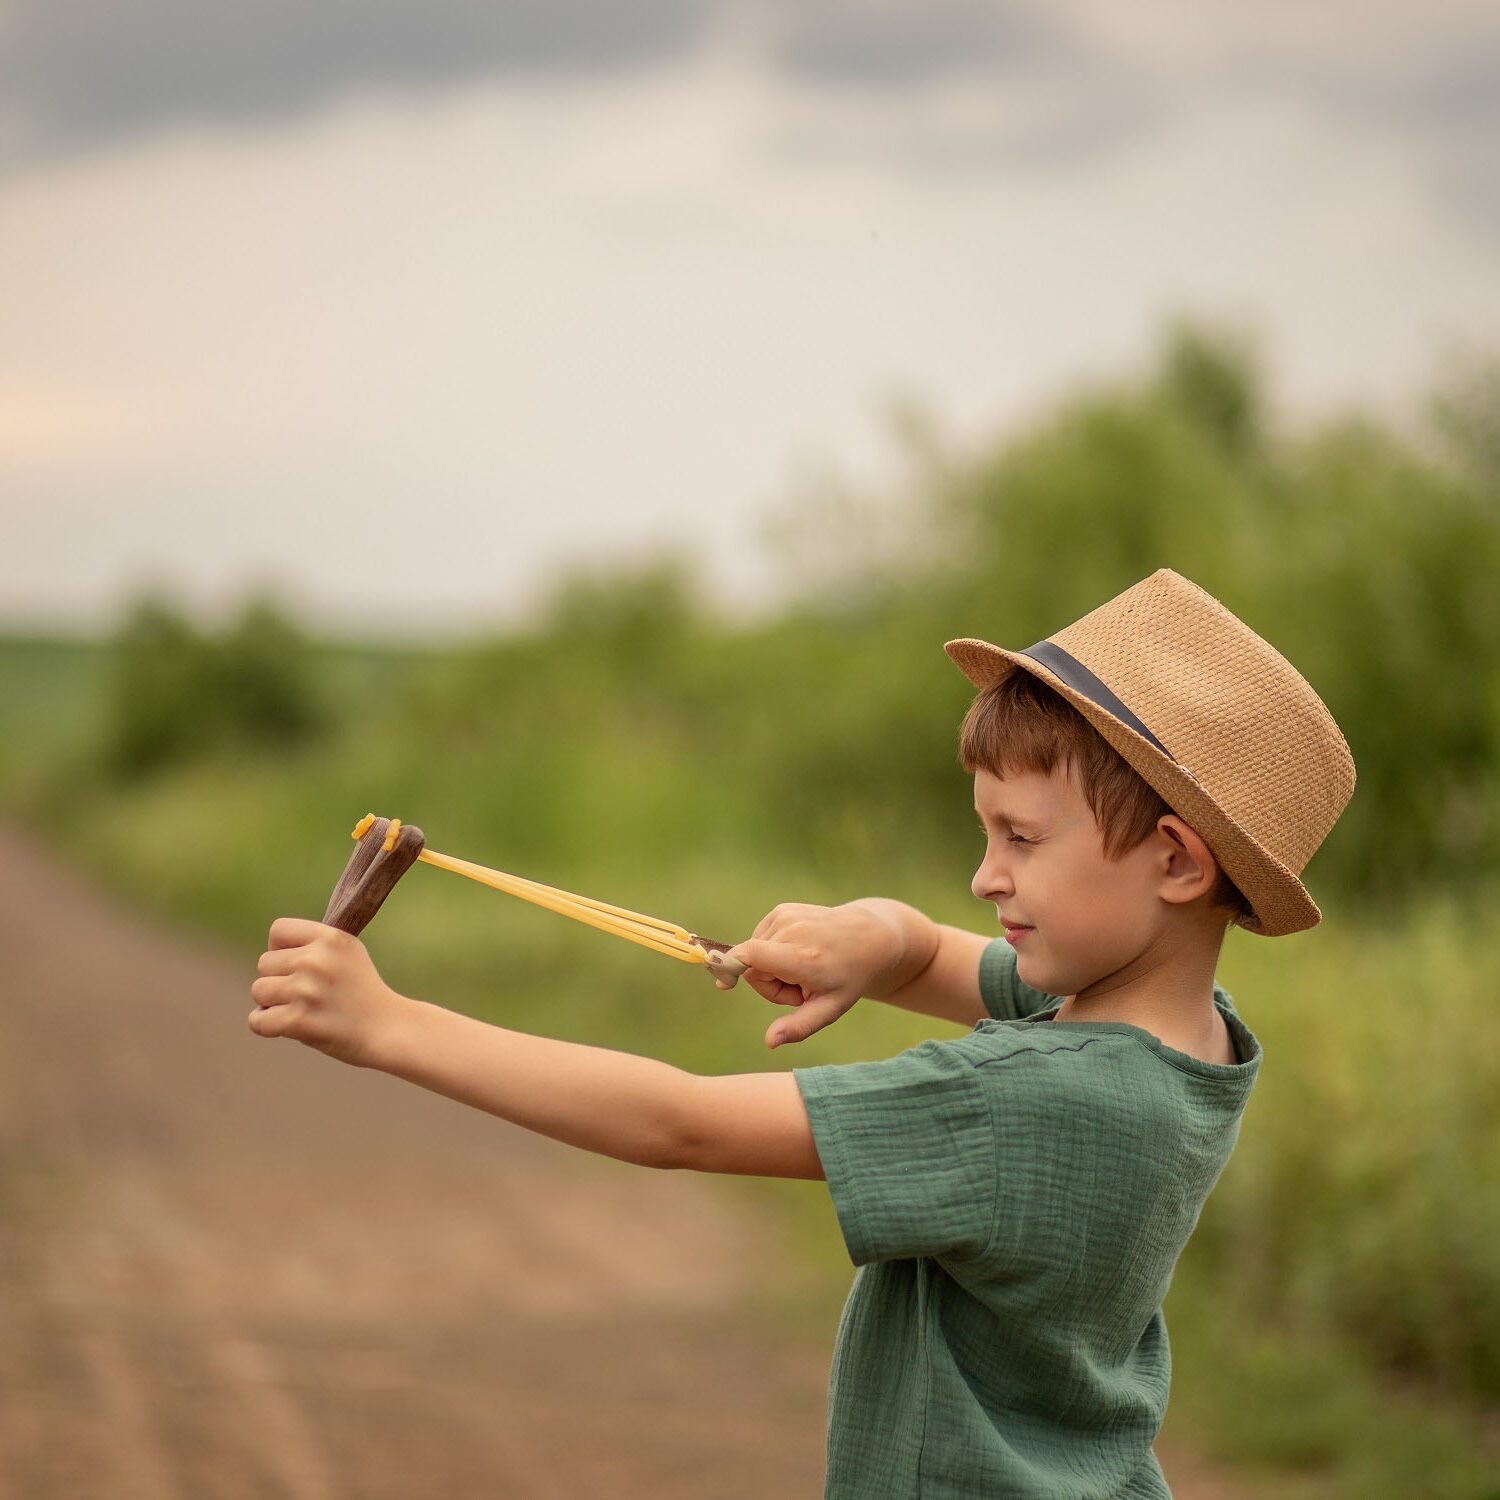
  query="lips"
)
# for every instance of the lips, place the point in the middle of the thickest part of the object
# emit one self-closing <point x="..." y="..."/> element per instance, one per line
<point x="1014" y="932"/>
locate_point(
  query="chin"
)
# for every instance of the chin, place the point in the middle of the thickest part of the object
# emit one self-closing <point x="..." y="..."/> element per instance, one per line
<point x="1037" y="975"/>
<point x="1049" y="980"/>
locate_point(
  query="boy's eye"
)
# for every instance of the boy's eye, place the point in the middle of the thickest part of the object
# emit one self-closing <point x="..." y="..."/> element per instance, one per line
<point x="1017" y="838"/>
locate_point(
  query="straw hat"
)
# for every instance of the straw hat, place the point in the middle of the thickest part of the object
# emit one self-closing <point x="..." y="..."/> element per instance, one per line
<point x="1213" y="718"/>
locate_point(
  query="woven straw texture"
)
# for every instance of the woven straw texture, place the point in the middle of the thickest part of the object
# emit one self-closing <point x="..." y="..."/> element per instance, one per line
<point x="1261" y="770"/>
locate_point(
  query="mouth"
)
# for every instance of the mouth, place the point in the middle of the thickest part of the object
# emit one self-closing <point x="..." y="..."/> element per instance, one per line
<point x="1014" y="932"/>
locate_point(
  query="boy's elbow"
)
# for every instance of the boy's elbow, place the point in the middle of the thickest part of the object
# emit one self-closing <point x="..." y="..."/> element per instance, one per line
<point x="717" y="1125"/>
<point x="662" y="1154"/>
<point x="676" y="1136"/>
<point x="683" y="1145"/>
<point x="689" y="1135"/>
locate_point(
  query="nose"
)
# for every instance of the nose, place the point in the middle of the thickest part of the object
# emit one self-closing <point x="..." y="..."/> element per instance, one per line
<point x="991" y="880"/>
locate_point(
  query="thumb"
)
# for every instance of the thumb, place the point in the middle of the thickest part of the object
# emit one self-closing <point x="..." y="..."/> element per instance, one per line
<point x="772" y="969"/>
<point x="784" y="961"/>
<point x="812" y="1015"/>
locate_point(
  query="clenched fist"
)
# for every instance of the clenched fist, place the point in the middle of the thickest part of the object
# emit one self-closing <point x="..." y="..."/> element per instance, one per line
<point x="318" y="986"/>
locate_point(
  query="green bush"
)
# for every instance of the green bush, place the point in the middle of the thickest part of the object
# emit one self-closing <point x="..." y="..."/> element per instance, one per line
<point x="177" y="693"/>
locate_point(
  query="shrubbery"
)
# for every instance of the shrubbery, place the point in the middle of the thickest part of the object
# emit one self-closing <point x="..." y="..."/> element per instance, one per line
<point x="178" y="693"/>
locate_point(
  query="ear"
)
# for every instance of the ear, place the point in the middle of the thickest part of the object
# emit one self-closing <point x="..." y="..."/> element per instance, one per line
<point x="1190" y="869"/>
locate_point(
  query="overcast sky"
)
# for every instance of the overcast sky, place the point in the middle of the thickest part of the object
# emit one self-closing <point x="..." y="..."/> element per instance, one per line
<point x="396" y="306"/>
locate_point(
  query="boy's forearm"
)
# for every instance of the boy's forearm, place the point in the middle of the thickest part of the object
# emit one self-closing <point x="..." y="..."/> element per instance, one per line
<point x="615" y="1103"/>
<point x="938" y="971"/>
<point x="610" y="1102"/>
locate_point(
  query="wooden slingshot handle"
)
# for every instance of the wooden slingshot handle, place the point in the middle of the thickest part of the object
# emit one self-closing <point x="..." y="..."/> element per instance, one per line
<point x="371" y="874"/>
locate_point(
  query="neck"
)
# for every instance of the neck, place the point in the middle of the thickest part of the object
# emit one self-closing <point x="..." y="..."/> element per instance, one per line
<point x="1166" y="989"/>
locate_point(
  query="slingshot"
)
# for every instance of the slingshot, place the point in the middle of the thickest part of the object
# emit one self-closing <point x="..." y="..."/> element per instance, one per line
<point x="386" y="848"/>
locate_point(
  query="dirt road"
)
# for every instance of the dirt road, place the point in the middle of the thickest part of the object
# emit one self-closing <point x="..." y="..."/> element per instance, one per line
<point x="232" y="1269"/>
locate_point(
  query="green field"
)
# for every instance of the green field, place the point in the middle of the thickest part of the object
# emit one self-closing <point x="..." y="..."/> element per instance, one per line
<point x="1336" y="1318"/>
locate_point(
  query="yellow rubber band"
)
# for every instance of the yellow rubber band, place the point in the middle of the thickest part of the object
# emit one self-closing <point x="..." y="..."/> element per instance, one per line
<point x="633" y="926"/>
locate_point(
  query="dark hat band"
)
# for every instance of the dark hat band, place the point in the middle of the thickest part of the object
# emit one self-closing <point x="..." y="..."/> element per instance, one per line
<point x="1070" y="670"/>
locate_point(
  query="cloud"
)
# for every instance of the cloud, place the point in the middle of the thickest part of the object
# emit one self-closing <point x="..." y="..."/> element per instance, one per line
<point x="907" y="85"/>
<point x="954" y="86"/>
<point x="462" y="336"/>
<point x="1449" y="100"/>
<point x="896" y="43"/>
<point x="88" y="72"/>
<point x="1422" y="80"/>
<point x="962" y="86"/>
<point x="947" y="84"/>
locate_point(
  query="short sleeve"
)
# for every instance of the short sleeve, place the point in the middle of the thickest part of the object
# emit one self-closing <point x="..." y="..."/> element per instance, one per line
<point x="1004" y="996"/>
<point x="907" y="1147"/>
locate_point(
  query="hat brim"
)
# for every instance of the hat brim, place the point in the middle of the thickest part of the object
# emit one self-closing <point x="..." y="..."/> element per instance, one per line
<point x="1280" y="903"/>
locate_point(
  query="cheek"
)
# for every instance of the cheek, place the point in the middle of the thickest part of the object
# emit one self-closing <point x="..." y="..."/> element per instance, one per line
<point x="1118" y="903"/>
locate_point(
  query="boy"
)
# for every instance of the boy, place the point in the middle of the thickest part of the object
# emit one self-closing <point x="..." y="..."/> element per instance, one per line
<point x="1017" y="1198"/>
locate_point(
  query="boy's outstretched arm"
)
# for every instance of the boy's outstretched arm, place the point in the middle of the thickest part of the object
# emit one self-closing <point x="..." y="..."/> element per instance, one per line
<point x="821" y="959"/>
<point x="318" y="986"/>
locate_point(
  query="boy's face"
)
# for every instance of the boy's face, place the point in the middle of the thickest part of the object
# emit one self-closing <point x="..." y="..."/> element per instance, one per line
<point x="1077" y="920"/>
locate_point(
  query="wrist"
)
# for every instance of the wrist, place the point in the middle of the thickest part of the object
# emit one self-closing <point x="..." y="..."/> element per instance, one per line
<point x="913" y="942"/>
<point x="390" y="1038"/>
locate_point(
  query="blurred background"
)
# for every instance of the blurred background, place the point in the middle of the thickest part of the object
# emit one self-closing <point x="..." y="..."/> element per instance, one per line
<point x="576" y="428"/>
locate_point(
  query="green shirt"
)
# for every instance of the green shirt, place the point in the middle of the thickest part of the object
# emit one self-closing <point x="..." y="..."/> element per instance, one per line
<point x="1016" y="1200"/>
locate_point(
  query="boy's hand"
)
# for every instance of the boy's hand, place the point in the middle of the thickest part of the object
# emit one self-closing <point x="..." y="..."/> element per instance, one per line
<point x="820" y="959"/>
<point x="318" y="986"/>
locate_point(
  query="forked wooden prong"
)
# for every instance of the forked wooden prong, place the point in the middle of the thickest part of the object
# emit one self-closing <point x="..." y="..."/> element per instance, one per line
<point x="372" y="871"/>
<point x="365" y="850"/>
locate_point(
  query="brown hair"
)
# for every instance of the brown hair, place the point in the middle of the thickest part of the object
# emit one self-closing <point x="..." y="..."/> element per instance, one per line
<point x="1020" y="724"/>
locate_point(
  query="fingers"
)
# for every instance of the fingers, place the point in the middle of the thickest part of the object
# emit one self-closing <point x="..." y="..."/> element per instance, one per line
<point x="786" y="973"/>
<point x="299" y="951"/>
<point x="293" y="932"/>
<point x="284" y="1004"/>
<point x="813" y="1015"/>
<point x="769" y="987"/>
<point x="766" y="978"/>
<point x="288" y="974"/>
<point x="780" y="918"/>
<point x="306" y="960"/>
<point x="810" y="958"/>
<point x="272" y="1020"/>
<point x="786" y="961"/>
<point x="271" y="989"/>
<point x="316" y="985"/>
